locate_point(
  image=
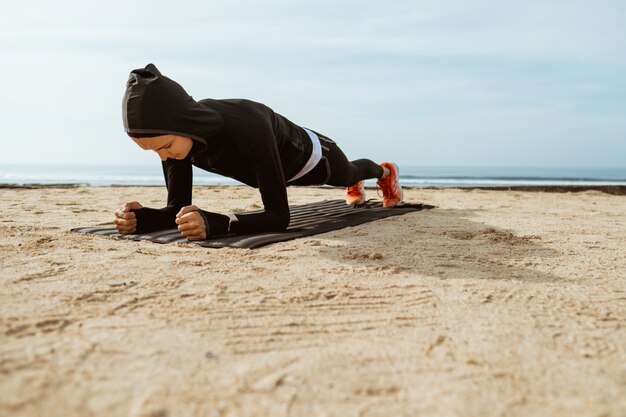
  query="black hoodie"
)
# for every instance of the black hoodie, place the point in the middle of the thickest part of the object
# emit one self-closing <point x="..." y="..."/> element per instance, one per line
<point x="238" y="138"/>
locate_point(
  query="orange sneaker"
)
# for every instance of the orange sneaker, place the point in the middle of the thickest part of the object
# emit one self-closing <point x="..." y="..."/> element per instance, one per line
<point x="355" y="194"/>
<point x="392" y="192"/>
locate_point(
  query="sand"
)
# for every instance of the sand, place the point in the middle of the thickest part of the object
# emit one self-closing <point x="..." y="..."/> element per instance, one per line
<point x="496" y="303"/>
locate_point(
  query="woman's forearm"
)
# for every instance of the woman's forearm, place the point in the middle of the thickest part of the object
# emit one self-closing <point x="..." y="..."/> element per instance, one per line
<point x="151" y="219"/>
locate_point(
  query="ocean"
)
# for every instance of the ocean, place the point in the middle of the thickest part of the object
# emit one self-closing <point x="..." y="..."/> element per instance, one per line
<point x="409" y="176"/>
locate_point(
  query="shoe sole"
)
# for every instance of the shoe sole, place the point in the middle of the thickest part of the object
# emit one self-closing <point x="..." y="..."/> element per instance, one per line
<point x="355" y="203"/>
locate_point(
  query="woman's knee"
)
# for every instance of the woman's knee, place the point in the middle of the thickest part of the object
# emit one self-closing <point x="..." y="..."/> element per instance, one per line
<point x="344" y="176"/>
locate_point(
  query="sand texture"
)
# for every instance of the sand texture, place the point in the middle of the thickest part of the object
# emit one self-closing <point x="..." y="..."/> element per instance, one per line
<point x="496" y="303"/>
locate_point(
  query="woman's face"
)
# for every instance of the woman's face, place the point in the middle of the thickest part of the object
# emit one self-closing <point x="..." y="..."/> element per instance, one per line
<point x="167" y="146"/>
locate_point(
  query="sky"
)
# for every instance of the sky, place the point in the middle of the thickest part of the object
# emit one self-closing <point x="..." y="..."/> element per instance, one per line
<point x="422" y="83"/>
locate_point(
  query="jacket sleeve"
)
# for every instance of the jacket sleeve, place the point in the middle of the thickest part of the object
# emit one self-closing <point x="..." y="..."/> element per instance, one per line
<point x="258" y="146"/>
<point x="179" y="181"/>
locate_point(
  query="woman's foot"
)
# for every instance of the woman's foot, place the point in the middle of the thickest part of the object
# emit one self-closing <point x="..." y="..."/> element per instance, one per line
<point x="392" y="192"/>
<point x="355" y="194"/>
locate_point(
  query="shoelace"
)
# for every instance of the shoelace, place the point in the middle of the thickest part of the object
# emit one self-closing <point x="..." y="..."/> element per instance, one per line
<point x="379" y="189"/>
<point x="391" y="186"/>
<point x="355" y="190"/>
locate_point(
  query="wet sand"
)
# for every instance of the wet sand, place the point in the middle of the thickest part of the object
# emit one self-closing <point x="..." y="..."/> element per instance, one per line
<point x="496" y="303"/>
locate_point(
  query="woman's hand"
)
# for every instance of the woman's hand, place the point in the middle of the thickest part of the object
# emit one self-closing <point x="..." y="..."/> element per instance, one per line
<point x="191" y="223"/>
<point x="125" y="219"/>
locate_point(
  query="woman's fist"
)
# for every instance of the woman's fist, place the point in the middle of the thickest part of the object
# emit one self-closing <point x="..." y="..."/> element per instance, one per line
<point x="125" y="220"/>
<point x="191" y="223"/>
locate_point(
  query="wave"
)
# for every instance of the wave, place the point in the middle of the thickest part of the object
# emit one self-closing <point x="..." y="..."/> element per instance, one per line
<point x="410" y="176"/>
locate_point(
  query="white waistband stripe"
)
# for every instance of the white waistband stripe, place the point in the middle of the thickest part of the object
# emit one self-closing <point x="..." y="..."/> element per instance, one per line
<point x="315" y="157"/>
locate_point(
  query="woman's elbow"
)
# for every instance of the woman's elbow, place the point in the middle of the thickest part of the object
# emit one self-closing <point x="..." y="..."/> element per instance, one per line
<point x="282" y="222"/>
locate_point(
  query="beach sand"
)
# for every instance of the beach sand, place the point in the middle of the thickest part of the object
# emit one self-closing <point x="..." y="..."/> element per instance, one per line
<point x="496" y="303"/>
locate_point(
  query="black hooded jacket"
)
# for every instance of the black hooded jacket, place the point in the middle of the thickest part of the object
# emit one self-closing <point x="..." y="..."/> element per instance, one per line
<point x="237" y="138"/>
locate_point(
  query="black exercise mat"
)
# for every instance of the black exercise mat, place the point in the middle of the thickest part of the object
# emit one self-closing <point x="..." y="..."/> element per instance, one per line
<point x="306" y="220"/>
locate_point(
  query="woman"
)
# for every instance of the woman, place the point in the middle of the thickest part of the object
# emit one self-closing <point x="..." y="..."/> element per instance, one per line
<point x="241" y="139"/>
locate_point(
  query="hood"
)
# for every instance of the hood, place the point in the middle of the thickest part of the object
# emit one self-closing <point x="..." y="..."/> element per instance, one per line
<point x="155" y="104"/>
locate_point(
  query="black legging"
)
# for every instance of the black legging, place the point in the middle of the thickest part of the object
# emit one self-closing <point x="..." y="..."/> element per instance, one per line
<point x="344" y="173"/>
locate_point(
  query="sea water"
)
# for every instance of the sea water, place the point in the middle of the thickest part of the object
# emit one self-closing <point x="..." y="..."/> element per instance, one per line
<point x="101" y="175"/>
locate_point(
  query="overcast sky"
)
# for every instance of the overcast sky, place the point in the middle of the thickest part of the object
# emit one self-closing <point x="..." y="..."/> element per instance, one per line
<point x="443" y="82"/>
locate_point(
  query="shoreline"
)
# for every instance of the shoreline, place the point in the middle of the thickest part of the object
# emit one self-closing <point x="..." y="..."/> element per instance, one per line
<point x="607" y="189"/>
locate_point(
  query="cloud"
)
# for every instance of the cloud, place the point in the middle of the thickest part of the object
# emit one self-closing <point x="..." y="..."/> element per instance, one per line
<point x="459" y="73"/>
